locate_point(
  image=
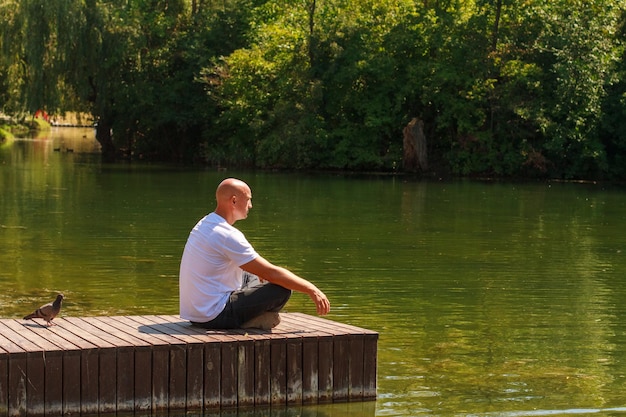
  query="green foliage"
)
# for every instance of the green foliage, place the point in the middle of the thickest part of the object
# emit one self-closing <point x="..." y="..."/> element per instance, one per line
<point x="315" y="87"/>
<point x="576" y="52"/>
<point x="505" y="88"/>
<point x="534" y="99"/>
<point x="5" y="134"/>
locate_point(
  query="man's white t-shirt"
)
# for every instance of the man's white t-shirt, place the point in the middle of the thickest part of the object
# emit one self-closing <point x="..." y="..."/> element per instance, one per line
<point x="210" y="267"/>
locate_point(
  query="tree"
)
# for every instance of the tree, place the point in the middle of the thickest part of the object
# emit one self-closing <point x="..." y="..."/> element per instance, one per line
<point x="567" y="52"/>
<point x="131" y="64"/>
<point x="31" y="35"/>
<point x="314" y="86"/>
<point x="526" y="99"/>
<point x="529" y="88"/>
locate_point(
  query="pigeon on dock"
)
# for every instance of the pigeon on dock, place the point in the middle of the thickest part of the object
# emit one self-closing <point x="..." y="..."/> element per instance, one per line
<point x="47" y="311"/>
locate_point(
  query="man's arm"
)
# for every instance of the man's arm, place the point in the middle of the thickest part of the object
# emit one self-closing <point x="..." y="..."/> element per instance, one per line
<point x="285" y="278"/>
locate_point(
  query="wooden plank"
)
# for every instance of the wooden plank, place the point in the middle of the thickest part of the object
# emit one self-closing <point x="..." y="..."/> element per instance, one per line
<point x="80" y="388"/>
<point x="35" y="388"/>
<point x="63" y="329"/>
<point x="212" y="379"/>
<point x="310" y="371"/>
<point x="94" y="362"/>
<point x="72" y="384"/>
<point x="176" y="366"/>
<point x="89" y="378"/>
<point x="12" y="380"/>
<point x="185" y="364"/>
<point x="285" y="360"/>
<point x="294" y="371"/>
<point x="212" y="342"/>
<point x="177" y="383"/>
<point x="180" y="329"/>
<point x="160" y="360"/>
<point x="326" y="365"/>
<point x="278" y="371"/>
<point x="262" y="386"/>
<point x="318" y="372"/>
<point x="17" y="384"/>
<point x="8" y="347"/>
<point x="370" y="366"/>
<point x="13" y="383"/>
<point x="367" y="377"/>
<point x="121" y="333"/>
<point x="17" y="338"/>
<point x="355" y="372"/>
<point x="123" y="358"/>
<point x="178" y="377"/>
<point x="195" y="340"/>
<point x="361" y="364"/>
<point x="125" y="384"/>
<point x="106" y="382"/>
<point x="53" y="346"/>
<point x="291" y="372"/>
<point x="325" y="324"/>
<point x="146" y="327"/>
<point x="229" y="366"/>
<point x="160" y="377"/>
<point x="85" y="328"/>
<point x="53" y="383"/>
<point x="53" y="336"/>
<point x="4" y="382"/>
<point x="21" y="335"/>
<point x="309" y="363"/>
<point x="29" y="396"/>
<point x="245" y="372"/>
<point x="151" y="365"/>
<point x="253" y="376"/>
<point x="125" y="396"/>
<point x="219" y="359"/>
<point x="195" y="367"/>
<point x="125" y="393"/>
<point x="143" y="380"/>
<point x="134" y="391"/>
<point x="187" y="333"/>
<point x="151" y="373"/>
<point x="341" y="366"/>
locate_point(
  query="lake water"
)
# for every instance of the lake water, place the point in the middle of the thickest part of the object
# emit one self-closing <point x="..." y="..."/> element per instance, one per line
<point x="491" y="298"/>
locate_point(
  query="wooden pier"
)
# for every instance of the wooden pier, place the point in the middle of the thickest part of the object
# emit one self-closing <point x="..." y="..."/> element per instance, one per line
<point x="87" y="365"/>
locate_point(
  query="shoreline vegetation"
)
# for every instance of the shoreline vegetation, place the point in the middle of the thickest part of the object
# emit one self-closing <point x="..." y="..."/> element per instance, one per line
<point x="530" y="89"/>
<point x="10" y="127"/>
<point x="16" y="126"/>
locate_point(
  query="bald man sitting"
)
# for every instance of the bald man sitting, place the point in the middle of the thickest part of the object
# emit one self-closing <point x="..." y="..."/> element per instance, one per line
<point x="211" y="280"/>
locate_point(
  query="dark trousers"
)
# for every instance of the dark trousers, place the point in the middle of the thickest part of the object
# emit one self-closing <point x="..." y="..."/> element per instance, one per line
<point x="247" y="304"/>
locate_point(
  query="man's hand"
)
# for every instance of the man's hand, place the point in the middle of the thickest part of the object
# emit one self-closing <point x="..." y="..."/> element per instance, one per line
<point x="321" y="302"/>
<point x="267" y="271"/>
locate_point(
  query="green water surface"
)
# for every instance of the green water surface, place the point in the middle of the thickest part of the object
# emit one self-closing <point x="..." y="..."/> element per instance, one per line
<point x="491" y="298"/>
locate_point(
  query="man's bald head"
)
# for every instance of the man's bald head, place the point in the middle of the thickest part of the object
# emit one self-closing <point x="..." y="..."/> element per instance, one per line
<point x="234" y="199"/>
<point x="230" y="187"/>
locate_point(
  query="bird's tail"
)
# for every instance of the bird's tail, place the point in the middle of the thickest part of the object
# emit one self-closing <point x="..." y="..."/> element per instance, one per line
<point x="36" y="314"/>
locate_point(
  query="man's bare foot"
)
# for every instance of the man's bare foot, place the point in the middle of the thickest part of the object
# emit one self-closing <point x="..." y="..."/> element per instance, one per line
<point x="265" y="321"/>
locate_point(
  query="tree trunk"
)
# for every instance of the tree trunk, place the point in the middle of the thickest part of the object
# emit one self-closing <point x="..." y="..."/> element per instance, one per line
<point x="104" y="137"/>
<point x="496" y="25"/>
<point x="312" y="39"/>
<point x="415" y="150"/>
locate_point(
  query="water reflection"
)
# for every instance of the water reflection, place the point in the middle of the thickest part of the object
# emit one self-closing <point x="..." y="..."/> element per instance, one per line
<point x="568" y="412"/>
<point x="360" y="409"/>
<point x="490" y="298"/>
